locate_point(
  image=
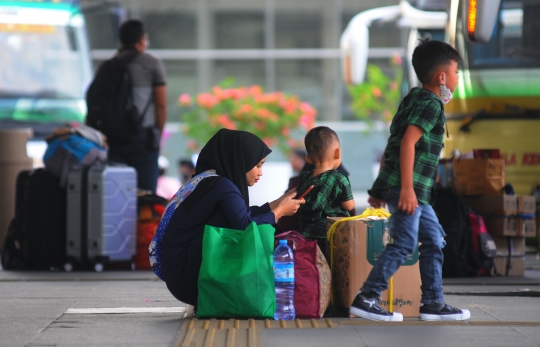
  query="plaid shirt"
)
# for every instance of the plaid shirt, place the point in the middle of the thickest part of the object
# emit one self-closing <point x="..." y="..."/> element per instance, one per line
<point x="331" y="189"/>
<point x="423" y="109"/>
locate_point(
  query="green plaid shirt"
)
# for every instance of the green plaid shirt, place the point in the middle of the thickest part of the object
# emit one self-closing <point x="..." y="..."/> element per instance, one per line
<point x="422" y="108"/>
<point x="331" y="189"/>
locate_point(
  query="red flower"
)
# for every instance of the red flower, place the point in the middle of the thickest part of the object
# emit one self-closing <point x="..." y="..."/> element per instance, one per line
<point x="184" y="100"/>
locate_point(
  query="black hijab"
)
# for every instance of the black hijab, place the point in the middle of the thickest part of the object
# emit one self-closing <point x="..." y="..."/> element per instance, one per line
<point x="232" y="153"/>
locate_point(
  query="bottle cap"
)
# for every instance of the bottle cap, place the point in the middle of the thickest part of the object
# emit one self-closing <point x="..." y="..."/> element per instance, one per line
<point x="282" y="242"/>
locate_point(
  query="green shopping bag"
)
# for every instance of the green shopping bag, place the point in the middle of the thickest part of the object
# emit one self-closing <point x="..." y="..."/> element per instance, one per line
<point x="236" y="279"/>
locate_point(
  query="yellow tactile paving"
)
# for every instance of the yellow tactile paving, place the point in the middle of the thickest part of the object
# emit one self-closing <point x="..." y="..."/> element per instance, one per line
<point x="236" y="332"/>
<point x="240" y="333"/>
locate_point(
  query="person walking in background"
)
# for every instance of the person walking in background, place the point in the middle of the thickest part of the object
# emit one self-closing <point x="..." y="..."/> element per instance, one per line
<point x="331" y="195"/>
<point x="186" y="170"/>
<point x="150" y="98"/>
<point x="406" y="184"/>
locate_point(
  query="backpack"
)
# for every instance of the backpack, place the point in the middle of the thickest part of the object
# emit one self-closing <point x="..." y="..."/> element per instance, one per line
<point x="460" y="259"/>
<point x="67" y="151"/>
<point x="484" y="246"/>
<point x="110" y="103"/>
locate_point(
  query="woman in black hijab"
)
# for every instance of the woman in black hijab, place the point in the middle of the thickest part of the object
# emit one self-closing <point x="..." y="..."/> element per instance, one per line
<point x="217" y="195"/>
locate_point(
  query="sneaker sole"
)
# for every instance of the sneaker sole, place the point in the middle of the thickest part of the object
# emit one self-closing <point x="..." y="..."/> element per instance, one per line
<point x="446" y="317"/>
<point x="396" y="316"/>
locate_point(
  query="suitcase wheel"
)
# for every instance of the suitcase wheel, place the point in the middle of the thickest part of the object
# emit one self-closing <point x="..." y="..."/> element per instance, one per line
<point x="99" y="267"/>
<point x="68" y="267"/>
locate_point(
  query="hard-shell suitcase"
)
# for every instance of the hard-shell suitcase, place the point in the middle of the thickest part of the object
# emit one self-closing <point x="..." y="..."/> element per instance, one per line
<point x="101" y="215"/>
<point x="37" y="234"/>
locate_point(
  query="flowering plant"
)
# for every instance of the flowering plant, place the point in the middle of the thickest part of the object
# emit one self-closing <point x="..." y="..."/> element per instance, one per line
<point x="271" y="116"/>
<point x="379" y="95"/>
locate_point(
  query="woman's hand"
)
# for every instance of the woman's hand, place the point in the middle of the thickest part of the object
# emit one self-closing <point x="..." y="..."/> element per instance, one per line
<point x="286" y="205"/>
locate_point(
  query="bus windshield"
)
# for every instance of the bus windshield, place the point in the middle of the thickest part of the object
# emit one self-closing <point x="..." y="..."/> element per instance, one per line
<point x="515" y="42"/>
<point x="45" y="64"/>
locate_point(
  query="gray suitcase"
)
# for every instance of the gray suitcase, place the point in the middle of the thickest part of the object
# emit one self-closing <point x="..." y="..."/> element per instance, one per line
<point x="101" y="215"/>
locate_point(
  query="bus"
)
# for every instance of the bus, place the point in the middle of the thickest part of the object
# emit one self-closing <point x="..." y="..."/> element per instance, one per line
<point x="497" y="101"/>
<point x="46" y="65"/>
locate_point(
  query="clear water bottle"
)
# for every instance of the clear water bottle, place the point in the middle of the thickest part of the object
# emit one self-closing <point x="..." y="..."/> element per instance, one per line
<point x="284" y="280"/>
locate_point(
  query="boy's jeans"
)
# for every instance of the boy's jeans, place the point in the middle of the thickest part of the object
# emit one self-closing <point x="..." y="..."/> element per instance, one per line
<point x="407" y="230"/>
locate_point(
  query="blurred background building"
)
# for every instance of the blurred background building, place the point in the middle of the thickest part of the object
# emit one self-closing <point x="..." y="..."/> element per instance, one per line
<point x="290" y="46"/>
<point x="286" y="45"/>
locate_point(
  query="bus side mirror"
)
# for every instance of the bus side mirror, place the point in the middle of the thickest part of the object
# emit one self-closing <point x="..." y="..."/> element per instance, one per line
<point x="480" y="17"/>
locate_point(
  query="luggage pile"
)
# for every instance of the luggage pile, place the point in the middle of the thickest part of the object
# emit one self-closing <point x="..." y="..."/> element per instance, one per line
<point x="79" y="212"/>
<point x="485" y="221"/>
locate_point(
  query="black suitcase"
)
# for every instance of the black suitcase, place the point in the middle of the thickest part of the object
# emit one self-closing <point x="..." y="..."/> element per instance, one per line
<point x="36" y="237"/>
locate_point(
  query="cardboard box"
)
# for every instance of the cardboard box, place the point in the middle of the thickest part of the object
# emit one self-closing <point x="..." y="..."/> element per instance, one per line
<point x="527" y="227"/>
<point x="527" y="204"/>
<point x="517" y="243"/>
<point x="517" y="266"/>
<point x="491" y="205"/>
<point x="502" y="226"/>
<point x="479" y="176"/>
<point x="358" y="245"/>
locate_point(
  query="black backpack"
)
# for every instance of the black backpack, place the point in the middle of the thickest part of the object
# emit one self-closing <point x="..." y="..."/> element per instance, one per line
<point x="109" y="100"/>
<point x="460" y="259"/>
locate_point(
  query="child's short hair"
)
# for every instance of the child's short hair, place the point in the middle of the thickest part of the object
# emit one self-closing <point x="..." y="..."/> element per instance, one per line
<point x="429" y="55"/>
<point x="318" y="140"/>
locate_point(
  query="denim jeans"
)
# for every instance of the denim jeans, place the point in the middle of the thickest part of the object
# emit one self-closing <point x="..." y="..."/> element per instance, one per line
<point x="407" y="230"/>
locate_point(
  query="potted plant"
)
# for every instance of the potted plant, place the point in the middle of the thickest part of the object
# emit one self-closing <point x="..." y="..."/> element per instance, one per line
<point x="378" y="97"/>
<point x="271" y="116"/>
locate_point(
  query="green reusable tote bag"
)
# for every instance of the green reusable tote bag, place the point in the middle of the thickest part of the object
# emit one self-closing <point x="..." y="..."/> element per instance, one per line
<point x="236" y="279"/>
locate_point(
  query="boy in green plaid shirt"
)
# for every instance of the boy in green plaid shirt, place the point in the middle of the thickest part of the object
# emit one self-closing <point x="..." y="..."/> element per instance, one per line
<point x="331" y="195"/>
<point x="405" y="183"/>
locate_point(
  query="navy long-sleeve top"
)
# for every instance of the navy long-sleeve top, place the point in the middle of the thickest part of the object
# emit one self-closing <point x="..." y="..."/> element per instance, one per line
<point x="222" y="206"/>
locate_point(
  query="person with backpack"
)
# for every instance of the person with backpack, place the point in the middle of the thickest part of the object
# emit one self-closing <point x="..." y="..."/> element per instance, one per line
<point x="127" y="101"/>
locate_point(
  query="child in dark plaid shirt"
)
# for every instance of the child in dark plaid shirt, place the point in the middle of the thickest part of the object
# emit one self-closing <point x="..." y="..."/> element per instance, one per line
<point x="405" y="183"/>
<point x="331" y="195"/>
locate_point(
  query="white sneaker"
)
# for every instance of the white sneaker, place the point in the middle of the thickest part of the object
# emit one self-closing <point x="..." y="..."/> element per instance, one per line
<point x="369" y="308"/>
<point x="443" y="312"/>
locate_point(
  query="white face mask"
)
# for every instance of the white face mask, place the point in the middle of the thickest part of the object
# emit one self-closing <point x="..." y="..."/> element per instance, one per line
<point x="446" y="94"/>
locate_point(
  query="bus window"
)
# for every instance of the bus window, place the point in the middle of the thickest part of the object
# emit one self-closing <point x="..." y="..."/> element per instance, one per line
<point x="515" y="42"/>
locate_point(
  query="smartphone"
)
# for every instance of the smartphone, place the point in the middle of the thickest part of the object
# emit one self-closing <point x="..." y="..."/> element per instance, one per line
<point x="306" y="192"/>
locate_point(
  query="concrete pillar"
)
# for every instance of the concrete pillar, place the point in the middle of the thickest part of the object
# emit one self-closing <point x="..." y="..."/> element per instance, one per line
<point x="331" y="76"/>
<point x="205" y="30"/>
<point x="13" y="159"/>
<point x="270" y="43"/>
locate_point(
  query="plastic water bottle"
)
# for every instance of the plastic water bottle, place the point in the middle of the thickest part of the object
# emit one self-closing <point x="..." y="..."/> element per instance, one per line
<point x="284" y="280"/>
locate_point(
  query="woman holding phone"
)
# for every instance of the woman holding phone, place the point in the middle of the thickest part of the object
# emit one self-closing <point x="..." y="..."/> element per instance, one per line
<point x="217" y="195"/>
